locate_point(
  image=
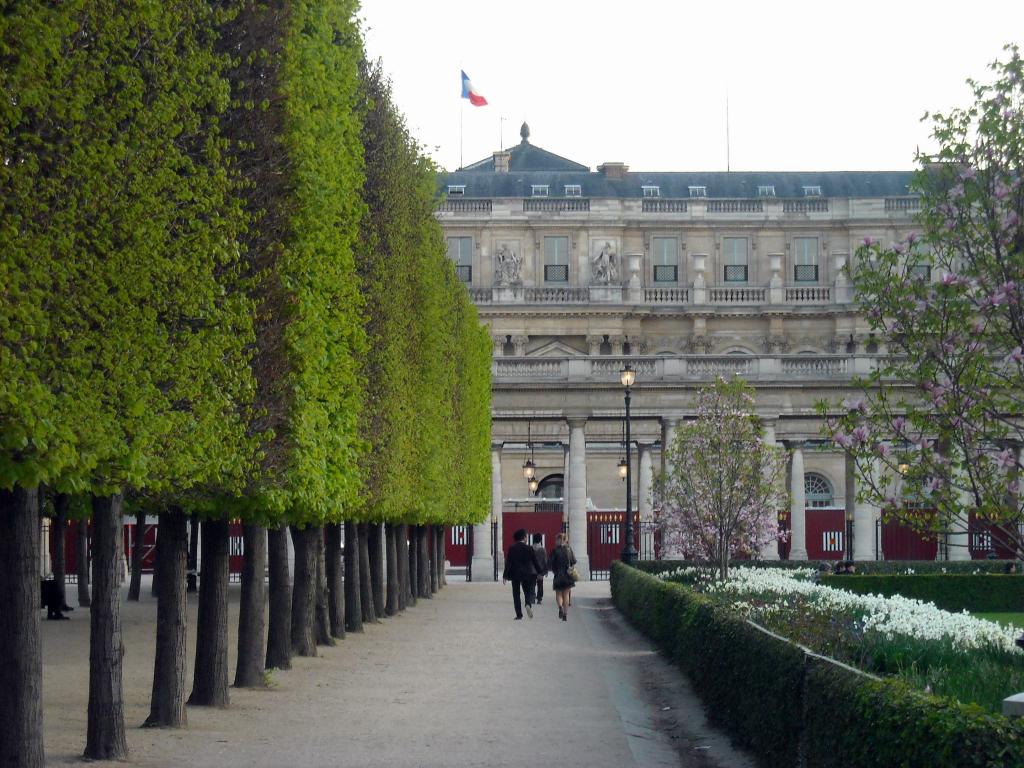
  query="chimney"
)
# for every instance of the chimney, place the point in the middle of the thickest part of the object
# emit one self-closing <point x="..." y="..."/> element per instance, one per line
<point x="614" y="170"/>
<point x="501" y="161"/>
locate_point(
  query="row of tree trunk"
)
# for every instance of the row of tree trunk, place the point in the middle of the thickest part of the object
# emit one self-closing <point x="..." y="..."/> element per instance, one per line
<point x="388" y="568"/>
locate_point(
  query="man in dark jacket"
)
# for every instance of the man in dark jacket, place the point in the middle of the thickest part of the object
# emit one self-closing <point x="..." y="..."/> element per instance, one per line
<point x="542" y="563"/>
<point x="521" y="568"/>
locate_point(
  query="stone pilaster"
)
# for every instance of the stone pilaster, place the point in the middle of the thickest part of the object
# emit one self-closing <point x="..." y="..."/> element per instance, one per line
<point x="771" y="550"/>
<point x="865" y="514"/>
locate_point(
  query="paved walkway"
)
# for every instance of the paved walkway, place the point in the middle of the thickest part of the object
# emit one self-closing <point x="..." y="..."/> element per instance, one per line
<point x="452" y="682"/>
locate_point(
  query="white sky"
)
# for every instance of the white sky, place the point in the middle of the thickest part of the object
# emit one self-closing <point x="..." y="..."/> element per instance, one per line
<point x="819" y="85"/>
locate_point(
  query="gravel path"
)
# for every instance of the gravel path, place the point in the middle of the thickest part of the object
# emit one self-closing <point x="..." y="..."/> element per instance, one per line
<point x="452" y="682"/>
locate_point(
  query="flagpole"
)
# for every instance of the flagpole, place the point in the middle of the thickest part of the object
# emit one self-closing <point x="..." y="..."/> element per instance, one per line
<point x="461" y="106"/>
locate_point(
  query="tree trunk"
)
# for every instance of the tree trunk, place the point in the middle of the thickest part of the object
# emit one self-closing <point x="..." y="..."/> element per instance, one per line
<point x="135" y="586"/>
<point x="375" y="545"/>
<point x="193" y="553"/>
<point x="167" y="703"/>
<point x="442" y="580"/>
<point x="249" y="668"/>
<point x="82" y="563"/>
<point x="61" y="501"/>
<point x="304" y="592"/>
<point x="353" y="604"/>
<point x="335" y="582"/>
<point x="323" y="611"/>
<point x="391" y="560"/>
<point x="365" y="580"/>
<point x="412" y="557"/>
<point x="279" y="624"/>
<point x="402" y="564"/>
<point x="424" y="561"/>
<point x="21" y="670"/>
<point x="430" y="536"/>
<point x="210" y="680"/>
<point x="105" y="737"/>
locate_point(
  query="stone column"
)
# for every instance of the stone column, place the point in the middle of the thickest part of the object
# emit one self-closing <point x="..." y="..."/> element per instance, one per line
<point x="959" y="536"/>
<point x="771" y="550"/>
<point x="519" y="345"/>
<point x="668" y="437"/>
<point x="565" y="489"/>
<point x="483" y="561"/>
<point x="798" y="504"/>
<point x="643" y="504"/>
<point x="865" y="514"/>
<point x="578" y="495"/>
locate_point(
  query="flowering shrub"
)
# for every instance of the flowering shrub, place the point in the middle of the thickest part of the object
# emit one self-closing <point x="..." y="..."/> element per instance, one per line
<point x="758" y="593"/>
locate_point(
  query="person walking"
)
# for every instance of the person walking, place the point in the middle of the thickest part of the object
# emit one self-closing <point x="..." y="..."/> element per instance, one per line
<point x="521" y="568"/>
<point x="542" y="562"/>
<point x="561" y="564"/>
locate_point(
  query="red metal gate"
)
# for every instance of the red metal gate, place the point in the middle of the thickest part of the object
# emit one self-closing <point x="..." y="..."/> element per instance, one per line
<point x="987" y="538"/>
<point x="148" y="545"/>
<point x="825" y="533"/>
<point x="456" y="549"/>
<point x="901" y="542"/>
<point x="605" y="531"/>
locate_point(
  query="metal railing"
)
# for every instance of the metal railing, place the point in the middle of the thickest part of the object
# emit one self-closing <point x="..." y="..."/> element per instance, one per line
<point x="735" y="273"/>
<point x="556" y="273"/>
<point x="805" y="273"/>
<point x="666" y="273"/>
<point x="464" y="272"/>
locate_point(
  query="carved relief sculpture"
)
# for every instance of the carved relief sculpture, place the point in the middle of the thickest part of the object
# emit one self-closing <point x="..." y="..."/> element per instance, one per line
<point x="507" y="265"/>
<point x="605" y="266"/>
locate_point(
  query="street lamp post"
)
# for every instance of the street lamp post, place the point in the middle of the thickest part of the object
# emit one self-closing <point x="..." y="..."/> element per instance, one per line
<point x="627" y="376"/>
<point x="849" y="535"/>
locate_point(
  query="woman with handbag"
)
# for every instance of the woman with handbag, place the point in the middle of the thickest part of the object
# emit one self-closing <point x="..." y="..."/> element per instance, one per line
<point x="562" y="564"/>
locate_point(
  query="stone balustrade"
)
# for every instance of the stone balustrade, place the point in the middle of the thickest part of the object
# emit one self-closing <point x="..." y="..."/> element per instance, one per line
<point x="678" y="368"/>
<point x="718" y="295"/>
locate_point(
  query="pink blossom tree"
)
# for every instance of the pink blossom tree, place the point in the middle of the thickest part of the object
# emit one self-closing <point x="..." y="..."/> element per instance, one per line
<point x="723" y="492"/>
<point x="942" y="416"/>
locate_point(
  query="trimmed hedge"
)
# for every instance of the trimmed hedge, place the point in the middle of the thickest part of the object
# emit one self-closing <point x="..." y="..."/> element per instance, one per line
<point x="780" y="701"/>
<point x="852" y="720"/>
<point x="952" y="592"/>
<point x="864" y="567"/>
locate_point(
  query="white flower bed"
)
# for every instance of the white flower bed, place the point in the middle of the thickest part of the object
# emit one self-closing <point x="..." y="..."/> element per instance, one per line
<point x="888" y="616"/>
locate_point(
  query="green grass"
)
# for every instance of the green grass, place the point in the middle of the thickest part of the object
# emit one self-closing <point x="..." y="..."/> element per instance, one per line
<point x="1016" y="619"/>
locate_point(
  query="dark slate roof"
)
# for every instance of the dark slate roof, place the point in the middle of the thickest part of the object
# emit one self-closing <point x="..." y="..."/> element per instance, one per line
<point x="481" y="182"/>
<point x="531" y="165"/>
<point x="526" y="157"/>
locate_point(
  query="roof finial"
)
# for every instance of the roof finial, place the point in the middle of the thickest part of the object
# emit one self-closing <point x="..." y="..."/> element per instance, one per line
<point x="525" y="133"/>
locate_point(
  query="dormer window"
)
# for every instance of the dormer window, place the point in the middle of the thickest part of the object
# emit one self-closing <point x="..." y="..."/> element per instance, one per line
<point x="573" y="190"/>
<point x="698" y="191"/>
<point x="812" y="191"/>
<point x="539" y="190"/>
<point x="456" y="190"/>
<point x="651" y="191"/>
<point x="766" y="190"/>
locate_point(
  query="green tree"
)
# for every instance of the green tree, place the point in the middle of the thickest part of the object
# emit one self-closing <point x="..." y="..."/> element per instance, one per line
<point x="296" y="123"/>
<point x="939" y="424"/>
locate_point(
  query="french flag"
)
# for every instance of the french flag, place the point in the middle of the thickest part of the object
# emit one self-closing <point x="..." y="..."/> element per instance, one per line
<point x="471" y="93"/>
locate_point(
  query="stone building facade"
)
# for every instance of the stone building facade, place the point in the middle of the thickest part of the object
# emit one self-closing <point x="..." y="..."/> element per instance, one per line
<point x="689" y="276"/>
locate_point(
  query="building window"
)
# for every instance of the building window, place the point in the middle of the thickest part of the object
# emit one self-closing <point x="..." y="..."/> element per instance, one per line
<point x="766" y="190"/>
<point x="921" y="272"/>
<point x="805" y="259"/>
<point x="812" y="191"/>
<point x="817" y="491"/>
<point x="698" y="191"/>
<point x="573" y="190"/>
<point x="456" y="190"/>
<point x="651" y="191"/>
<point x="734" y="251"/>
<point x="666" y="259"/>
<point x="539" y="190"/>
<point x="460" y="250"/>
<point x="556" y="259"/>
